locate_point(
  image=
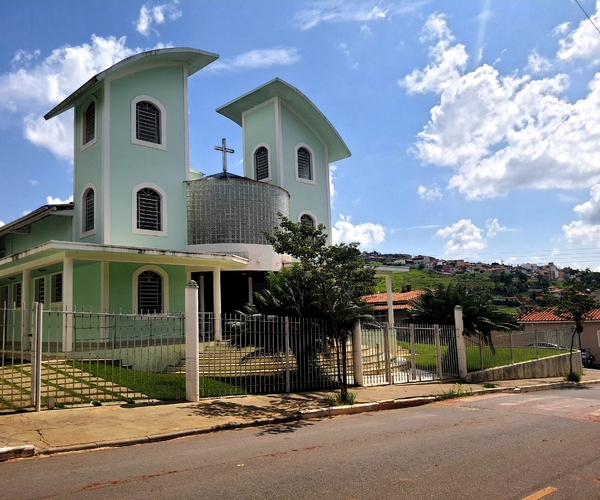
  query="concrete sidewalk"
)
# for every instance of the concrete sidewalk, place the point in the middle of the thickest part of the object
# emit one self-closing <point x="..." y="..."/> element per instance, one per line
<point x="62" y="430"/>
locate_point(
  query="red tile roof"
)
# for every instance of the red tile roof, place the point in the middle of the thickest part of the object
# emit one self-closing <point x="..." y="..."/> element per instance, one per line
<point x="546" y="315"/>
<point x="401" y="300"/>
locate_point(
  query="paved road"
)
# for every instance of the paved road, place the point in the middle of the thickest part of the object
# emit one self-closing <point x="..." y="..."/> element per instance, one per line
<point x="505" y="446"/>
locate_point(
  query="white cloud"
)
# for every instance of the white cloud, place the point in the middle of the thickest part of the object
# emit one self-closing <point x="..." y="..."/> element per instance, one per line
<point x="332" y="193"/>
<point x="58" y="201"/>
<point x="152" y="16"/>
<point x="448" y="60"/>
<point x="25" y="212"/>
<point x="280" y="56"/>
<point x="583" y="42"/>
<point x="344" y="49"/>
<point x="561" y="29"/>
<point x="537" y="63"/>
<point x="464" y="238"/>
<point x="587" y="229"/>
<point x="501" y="133"/>
<point x="335" y="11"/>
<point x="2" y="223"/>
<point x="494" y="228"/>
<point x="369" y="235"/>
<point x="33" y="182"/>
<point x="28" y="91"/>
<point x="433" y="193"/>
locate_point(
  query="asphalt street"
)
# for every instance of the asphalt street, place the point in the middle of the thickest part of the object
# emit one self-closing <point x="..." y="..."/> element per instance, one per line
<point x="499" y="446"/>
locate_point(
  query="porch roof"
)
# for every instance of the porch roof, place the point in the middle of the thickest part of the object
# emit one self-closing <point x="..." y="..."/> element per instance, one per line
<point x="54" y="251"/>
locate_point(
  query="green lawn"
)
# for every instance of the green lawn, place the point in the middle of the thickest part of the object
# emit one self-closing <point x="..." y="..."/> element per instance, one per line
<point x="154" y="385"/>
<point x="425" y="355"/>
<point x="424" y="278"/>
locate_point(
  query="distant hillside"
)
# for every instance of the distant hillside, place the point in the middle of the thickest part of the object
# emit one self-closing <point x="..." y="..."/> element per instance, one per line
<point x="419" y="279"/>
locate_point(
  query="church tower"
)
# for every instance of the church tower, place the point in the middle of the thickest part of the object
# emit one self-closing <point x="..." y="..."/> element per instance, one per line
<point x="288" y="142"/>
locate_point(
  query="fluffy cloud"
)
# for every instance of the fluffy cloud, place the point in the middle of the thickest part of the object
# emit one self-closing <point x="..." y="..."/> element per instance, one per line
<point x="587" y="229"/>
<point x="279" y="56"/>
<point x="33" y="87"/>
<point x="537" y="63"/>
<point x="367" y="234"/>
<point x="58" y="201"/>
<point x="335" y="11"/>
<point x="464" y="238"/>
<point x="152" y="16"/>
<point x="448" y="60"/>
<point x="433" y="193"/>
<point x="332" y="169"/>
<point x="583" y="42"/>
<point x="2" y="223"/>
<point x="494" y="228"/>
<point x="501" y="133"/>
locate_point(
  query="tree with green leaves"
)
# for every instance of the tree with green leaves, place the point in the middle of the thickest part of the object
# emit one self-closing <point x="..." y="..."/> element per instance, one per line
<point x="480" y="316"/>
<point x="336" y="278"/>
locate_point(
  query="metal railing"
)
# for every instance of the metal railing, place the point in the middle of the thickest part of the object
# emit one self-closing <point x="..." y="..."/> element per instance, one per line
<point x="516" y="346"/>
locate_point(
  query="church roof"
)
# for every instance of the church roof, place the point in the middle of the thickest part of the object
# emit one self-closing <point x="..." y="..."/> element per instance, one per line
<point x="195" y="59"/>
<point x="303" y="106"/>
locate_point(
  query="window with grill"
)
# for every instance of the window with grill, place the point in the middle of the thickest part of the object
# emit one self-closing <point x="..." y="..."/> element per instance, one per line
<point x="307" y="219"/>
<point x="57" y="287"/>
<point x="147" y="122"/>
<point x="150" y="298"/>
<point x="89" y="132"/>
<point x="17" y="294"/>
<point x="88" y="211"/>
<point x="148" y="210"/>
<point x="38" y="290"/>
<point x="261" y="163"/>
<point x="304" y="164"/>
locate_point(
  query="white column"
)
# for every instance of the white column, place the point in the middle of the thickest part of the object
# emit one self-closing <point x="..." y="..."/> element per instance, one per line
<point x="26" y="310"/>
<point x="67" y="300"/>
<point x="104" y="299"/>
<point x="192" y="377"/>
<point x="217" y="301"/>
<point x="390" y="299"/>
<point x="460" y="342"/>
<point x="357" y="355"/>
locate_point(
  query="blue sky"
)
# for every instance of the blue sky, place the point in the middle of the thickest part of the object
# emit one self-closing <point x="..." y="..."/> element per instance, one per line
<point x="473" y="125"/>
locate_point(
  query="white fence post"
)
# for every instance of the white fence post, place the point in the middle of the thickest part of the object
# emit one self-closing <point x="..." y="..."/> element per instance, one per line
<point x="36" y="357"/>
<point x="192" y="378"/>
<point x="288" y="386"/>
<point x="357" y="355"/>
<point x="438" y="353"/>
<point x="460" y="342"/>
<point x="386" y="352"/>
<point x="413" y="353"/>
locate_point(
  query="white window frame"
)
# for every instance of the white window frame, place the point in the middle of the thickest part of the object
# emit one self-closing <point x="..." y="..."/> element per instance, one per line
<point x="165" y="287"/>
<point x="163" y="210"/>
<point x="86" y="145"/>
<point x="82" y="212"/>
<point x="308" y="212"/>
<point x="52" y="288"/>
<point x="312" y="164"/>
<point x="268" y="148"/>
<point x="163" y="123"/>
<point x="35" y="289"/>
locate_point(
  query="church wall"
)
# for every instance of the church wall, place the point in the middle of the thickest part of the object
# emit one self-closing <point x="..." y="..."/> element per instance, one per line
<point x="88" y="170"/>
<point x="259" y="128"/>
<point x="304" y="196"/>
<point x="87" y="279"/>
<point x="50" y="228"/>
<point x="132" y="164"/>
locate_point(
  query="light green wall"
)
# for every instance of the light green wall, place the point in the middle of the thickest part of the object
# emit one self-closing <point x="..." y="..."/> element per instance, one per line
<point x="304" y="196"/>
<point x="87" y="280"/>
<point x="259" y="127"/>
<point x="53" y="227"/>
<point x="88" y="168"/>
<point x="132" y="164"/>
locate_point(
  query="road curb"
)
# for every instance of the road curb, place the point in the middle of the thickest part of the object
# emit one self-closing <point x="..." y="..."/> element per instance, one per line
<point x="12" y="452"/>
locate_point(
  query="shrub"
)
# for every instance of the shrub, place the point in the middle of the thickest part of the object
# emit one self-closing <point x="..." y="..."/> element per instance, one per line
<point x="573" y="377"/>
<point x="335" y="399"/>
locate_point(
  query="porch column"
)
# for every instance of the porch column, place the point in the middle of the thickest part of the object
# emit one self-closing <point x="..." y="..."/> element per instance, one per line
<point x="390" y="299"/>
<point x="217" y="301"/>
<point x="67" y="300"/>
<point x="26" y="310"/>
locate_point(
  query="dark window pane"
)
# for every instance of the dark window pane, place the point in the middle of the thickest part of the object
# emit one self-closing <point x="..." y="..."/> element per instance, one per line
<point x="261" y="163"/>
<point x="147" y="122"/>
<point x="304" y="164"/>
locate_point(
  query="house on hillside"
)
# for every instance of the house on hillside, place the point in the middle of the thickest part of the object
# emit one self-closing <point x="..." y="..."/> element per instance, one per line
<point x="546" y="320"/>
<point x="401" y="302"/>
<point x="142" y="223"/>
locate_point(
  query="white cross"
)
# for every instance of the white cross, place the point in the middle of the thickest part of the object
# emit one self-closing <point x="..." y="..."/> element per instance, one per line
<point x="224" y="151"/>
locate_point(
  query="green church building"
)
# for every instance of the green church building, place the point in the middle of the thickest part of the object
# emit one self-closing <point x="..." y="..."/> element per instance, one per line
<point x="142" y="223"/>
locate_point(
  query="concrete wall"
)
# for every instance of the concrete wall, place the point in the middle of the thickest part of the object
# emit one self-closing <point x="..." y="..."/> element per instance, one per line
<point x="553" y="366"/>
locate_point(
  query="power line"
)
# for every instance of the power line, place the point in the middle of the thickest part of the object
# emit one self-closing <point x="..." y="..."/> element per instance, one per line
<point x="577" y="2"/>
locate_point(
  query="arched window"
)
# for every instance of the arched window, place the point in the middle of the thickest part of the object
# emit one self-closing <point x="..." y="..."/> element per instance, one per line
<point x="304" y="164"/>
<point x="147" y="122"/>
<point x="307" y="219"/>
<point x="150" y="293"/>
<point x="149" y="216"/>
<point x="261" y="163"/>
<point x="88" y="210"/>
<point x="89" y="125"/>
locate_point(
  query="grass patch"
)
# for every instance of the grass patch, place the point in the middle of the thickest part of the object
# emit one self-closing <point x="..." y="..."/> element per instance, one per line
<point x="489" y="385"/>
<point x="573" y="377"/>
<point x="502" y="356"/>
<point x="154" y="385"/>
<point x="335" y="399"/>
<point x="425" y="353"/>
<point x="455" y="392"/>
